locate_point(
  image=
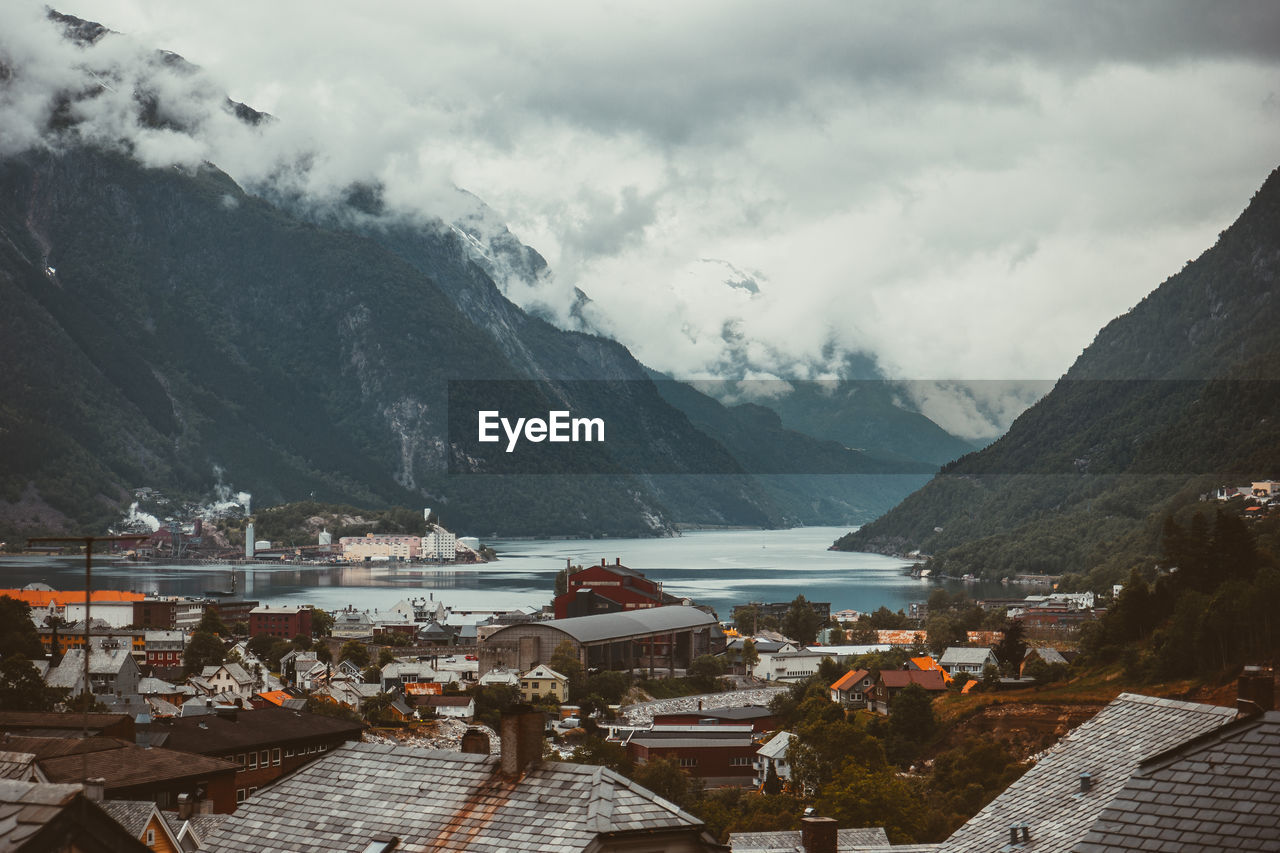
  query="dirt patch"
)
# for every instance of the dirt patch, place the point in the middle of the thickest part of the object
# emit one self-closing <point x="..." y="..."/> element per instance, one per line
<point x="1026" y="728"/>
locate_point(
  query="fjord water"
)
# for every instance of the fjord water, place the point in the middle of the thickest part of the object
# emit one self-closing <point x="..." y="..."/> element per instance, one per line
<point x="720" y="568"/>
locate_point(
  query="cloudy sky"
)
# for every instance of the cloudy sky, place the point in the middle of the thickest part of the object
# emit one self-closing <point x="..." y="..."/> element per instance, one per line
<point x="963" y="190"/>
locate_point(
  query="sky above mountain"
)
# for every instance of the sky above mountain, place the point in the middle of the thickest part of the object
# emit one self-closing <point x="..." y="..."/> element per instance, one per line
<point x="964" y="191"/>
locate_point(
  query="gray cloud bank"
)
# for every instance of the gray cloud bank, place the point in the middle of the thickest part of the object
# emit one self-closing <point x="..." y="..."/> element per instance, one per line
<point x="965" y="191"/>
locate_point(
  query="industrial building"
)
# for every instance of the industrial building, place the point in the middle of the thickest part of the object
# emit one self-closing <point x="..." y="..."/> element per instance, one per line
<point x="653" y="639"/>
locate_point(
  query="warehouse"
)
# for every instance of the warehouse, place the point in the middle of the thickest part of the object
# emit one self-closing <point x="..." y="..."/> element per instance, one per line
<point x="658" y="638"/>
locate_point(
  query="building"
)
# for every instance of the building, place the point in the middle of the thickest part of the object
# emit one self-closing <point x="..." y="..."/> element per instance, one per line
<point x="458" y="707"/>
<point x="439" y="544"/>
<point x="773" y="755"/>
<point x="380" y="546"/>
<point x="228" y="678"/>
<point x="39" y="817"/>
<point x="233" y="610"/>
<point x="168" y="613"/>
<point x="718" y="755"/>
<point x="113" y="673"/>
<point x="542" y="680"/>
<point x="142" y="820"/>
<point x="608" y="589"/>
<point x="416" y="799"/>
<point x="1055" y="804"/>
<point x="164" y="648"/>
<point x="130" y="771"/>
<point x="778" y="610"/>
<point x="760" y="719"/>
<point x="1219" y="790"/>
<point x="283" y="622"/>
<point x="893" y="681"/>
<point x="652" y="639"/>
<point x="958" y="659"/>
<point x="852" y="688"/>
<point x="263" y="745"/>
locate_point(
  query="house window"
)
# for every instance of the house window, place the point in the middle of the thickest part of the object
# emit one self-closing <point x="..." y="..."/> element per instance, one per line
<point x="688" y="762"/>
<point x="151" y="837"/>
<point x="275" y="757"/>
<point x="740" y="762"/>
<point x="266" y="757"/>
<point x="253" y="761"/>
<point x="288" y="753"/>
<point x="239" y="795"/>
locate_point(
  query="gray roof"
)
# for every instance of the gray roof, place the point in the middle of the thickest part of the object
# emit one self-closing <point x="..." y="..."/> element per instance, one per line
<point x="1219" y="791"/>
<point x="789" y="841"/>
<point x="777" y="746"/>
<point x="133" y="815"/>
<point x="1047" y="655"/>
<point x="438" y="800"/>
<point x="1109" y="747"/>
<point x="961" y="654"/>
<point x="17" y="765"/>
<point x="69" y="673"/>
<point x="26" y="807"/>
<point x="632" y="623"/>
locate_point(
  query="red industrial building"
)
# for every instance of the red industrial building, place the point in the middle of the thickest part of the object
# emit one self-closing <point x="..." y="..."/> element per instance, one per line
<point x="284" y="622"/>
<point x="609" y="589"/>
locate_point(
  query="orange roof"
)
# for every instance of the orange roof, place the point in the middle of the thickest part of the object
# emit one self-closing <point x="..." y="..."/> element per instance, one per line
<point x="899" y="637"/>
<point x="849" y="679"/>
<point x="928" y="664"/>
<point x="275" y="696"/>
<point x="43" y="597"/>
<point x="968" y="685"/>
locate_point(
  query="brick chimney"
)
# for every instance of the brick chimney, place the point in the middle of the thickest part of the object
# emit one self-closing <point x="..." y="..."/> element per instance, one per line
<point x="186" y="807"/>
<point x="1255" y="691"/>
<point x="818" y="834"/>
<point x="521" y="733"/>
<point x="475" y="741"/>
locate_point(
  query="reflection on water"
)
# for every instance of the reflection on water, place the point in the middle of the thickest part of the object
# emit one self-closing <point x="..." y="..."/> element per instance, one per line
<point x="719" y="568"/>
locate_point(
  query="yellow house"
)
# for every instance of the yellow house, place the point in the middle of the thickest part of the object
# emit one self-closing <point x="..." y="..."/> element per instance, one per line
<point x="143" y="820"/>
<point x="542" y="680"/>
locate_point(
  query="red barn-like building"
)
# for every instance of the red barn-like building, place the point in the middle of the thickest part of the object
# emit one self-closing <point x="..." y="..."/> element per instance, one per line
<point x="284" y="622"/>
<point x="609" y="589"/>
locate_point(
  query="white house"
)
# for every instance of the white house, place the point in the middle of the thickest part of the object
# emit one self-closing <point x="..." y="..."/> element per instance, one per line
<point x="773" y="754"/>
<point x="957" y="659"/>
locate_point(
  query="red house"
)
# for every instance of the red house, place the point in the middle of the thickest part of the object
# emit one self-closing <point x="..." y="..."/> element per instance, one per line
<point x="609" y="589"/>
<point x="283" y="622"/>
<point x="718" y="755"/>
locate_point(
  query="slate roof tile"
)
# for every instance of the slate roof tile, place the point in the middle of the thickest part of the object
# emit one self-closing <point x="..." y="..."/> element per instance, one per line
<point x="1109" y="747"/>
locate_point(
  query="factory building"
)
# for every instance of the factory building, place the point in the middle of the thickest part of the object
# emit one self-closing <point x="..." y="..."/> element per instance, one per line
<point x="658" y="639"/>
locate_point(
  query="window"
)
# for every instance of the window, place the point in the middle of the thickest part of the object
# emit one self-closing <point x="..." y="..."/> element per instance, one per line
<point x="275" y="757"/>
<point x="253" y="761"/>
<point x="288" y="753"/>
<point x="244" y="762"/>
<point x="688" y="762"/>
<point x="741" y="761"/>
<point x="239" y="795"/>
<point x="151" y="837"/>
<point x="321" y="748"/>
<point x="266" y="757"/>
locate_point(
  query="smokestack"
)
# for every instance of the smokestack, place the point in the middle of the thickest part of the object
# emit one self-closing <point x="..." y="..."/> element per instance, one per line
<point x="1255" y="691"/>
<point x="521" y="740"/>
<point x="818" y="834"/>
<point x="475" y="741"/>
<point x="248" y="541"/>
<point x="94" y="789"/>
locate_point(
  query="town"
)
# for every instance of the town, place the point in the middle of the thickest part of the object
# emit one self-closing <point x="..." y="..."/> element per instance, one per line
<point x="206" y="723"/>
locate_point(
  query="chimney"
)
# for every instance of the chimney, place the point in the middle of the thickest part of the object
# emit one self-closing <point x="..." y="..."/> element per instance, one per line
<point x="818" y="834"/>
<point x="521" y="739"/>
<point x="1255" y="691"/>
<point x="617" y="561"/>
<point x="475" y="741"/>
<point x="604" y="561"/>
<point x="1086" y="782"/>
<point x="185" y="807"/>
<point x="94" y="789"/>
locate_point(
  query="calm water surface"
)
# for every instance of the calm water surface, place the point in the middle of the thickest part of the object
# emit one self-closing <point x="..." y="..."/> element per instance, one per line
<point x="719" y="568"/>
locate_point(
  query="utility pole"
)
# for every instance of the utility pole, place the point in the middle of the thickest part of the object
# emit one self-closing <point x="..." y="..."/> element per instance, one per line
<point x="88" y="543"/>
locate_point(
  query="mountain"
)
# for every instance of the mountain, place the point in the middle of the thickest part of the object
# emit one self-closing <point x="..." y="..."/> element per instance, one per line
<point x="1173" y="398"/>
<point x="166" y="328"/>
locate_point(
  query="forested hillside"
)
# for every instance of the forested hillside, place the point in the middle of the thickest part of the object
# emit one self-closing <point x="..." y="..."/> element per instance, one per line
<point x="1173" y="398"/>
